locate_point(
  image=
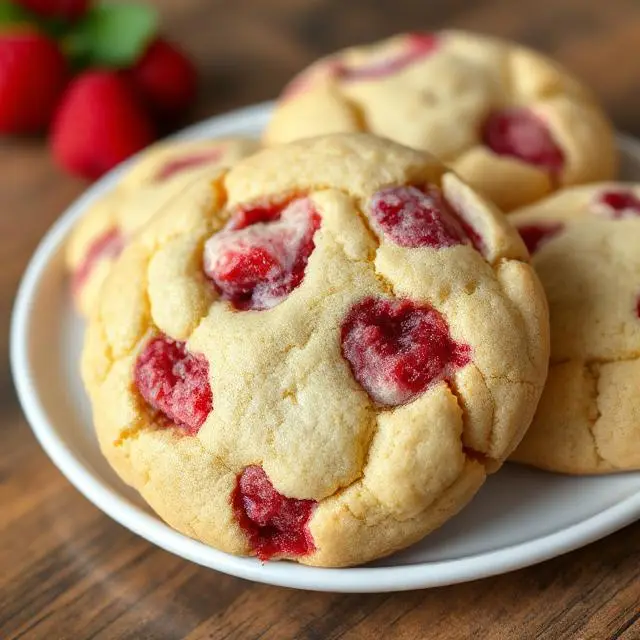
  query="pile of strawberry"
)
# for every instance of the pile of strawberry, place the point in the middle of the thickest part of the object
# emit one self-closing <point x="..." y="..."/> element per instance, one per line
<point x="97" y="76"/>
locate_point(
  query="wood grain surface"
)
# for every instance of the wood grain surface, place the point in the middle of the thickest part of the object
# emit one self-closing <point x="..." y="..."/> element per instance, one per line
<point x="67" y="571"/>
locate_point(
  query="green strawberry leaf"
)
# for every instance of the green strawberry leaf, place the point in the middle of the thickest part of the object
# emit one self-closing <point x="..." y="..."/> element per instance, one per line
<point x="112" y="35"/>
<point x="11" y="14"/>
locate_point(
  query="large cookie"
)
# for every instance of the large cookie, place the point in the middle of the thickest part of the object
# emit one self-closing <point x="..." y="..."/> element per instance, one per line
<point x="585" y="249"/>
<point x="320" y="355"/>
<point x="161" y="172"/>
<point x="511" y="122"/>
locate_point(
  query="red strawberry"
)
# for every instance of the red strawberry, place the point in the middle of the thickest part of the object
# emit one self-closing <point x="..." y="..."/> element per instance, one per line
<point x="165" y="78"/>
<point x="33" y="72"/>
<point x="99" y="123"/>
<point x="64" y="9"/>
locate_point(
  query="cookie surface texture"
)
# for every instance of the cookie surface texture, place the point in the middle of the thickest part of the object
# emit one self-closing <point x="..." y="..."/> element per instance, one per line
<point x="161" y="172"/>
<point x="585" y="249"/>
<point x="512" y="123"/>
<point x="320" y="355"/>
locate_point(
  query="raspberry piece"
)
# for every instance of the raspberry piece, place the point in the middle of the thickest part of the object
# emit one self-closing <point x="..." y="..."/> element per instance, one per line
<point x="620" y="204"/>
<point x="108" y="245"/>
<point x="413" y="218"/>
<point x="192" y="161"/>
<point x="416" y="47"/>
<point x="519" y="133"/>
<point x="535" y="235"/>
<point x="175" y="382"/>
<point x="273" y="523"/>
<point x="398" y="348"/>
<point x="262" y="254"/>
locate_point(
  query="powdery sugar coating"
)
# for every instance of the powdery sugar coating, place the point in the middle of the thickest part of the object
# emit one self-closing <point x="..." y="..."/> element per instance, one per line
<point x="105" y="247"/>
<point x="522" y="134"/>
<point x="174" y="382"/>
<point x="261" y="256"/>
<point x="398" y="348"/>
<point x="274" y="524"/>
<point x="190" y="161"/>
<point x="535" y="235"/>
<point x="414" y="218"/>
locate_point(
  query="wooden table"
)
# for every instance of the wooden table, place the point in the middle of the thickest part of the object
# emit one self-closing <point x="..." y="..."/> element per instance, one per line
<point x="67" y="571"/>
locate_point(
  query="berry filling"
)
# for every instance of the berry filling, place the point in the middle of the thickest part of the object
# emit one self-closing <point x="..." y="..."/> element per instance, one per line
<point x="178" y="165"/>
<point x="619" y="204"/>
<point x="414" y="218"/>
<point x="262" y="254"/>
<point x="274" y="524"/>
<point x="398" y="348"/>
<point x="638" y="306"/>
<point x="108" y="245"/>
<point x="175" y="382"/>
<point x="535" y="235"/>
<point x="521" y="134"/>
<point x="417" y="46"/>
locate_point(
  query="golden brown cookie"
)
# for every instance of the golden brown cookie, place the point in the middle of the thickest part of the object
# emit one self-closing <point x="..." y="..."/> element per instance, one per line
<point x="585" y="243"/>
<point x="160" y="172"/>
<point x="320" y="355"/>
<point x="512" y="123"/>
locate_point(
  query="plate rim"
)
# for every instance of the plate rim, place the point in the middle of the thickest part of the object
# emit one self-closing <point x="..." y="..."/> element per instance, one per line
<point x="366" y="579"/>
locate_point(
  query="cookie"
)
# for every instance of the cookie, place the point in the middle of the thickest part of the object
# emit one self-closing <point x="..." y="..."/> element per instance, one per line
<point x="513" y="124"/>
<point x="160" y="173"/>
<point x="585" y="243"/>
<point x="320" y="355"/>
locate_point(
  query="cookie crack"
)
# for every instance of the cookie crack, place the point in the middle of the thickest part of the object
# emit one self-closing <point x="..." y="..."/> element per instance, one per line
<point x="592" y="370"/>
<point x="470" y="453"/>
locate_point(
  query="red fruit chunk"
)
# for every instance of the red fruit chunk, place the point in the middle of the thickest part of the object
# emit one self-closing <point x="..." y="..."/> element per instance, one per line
<point x="68" y="10"/>
<point x="99" y="123"/>
<point x="262" y="254"/>
<point x="166" y="79"/>
<point x="535" y="235"/>
<point x="175" y="382"/>
<point x="398" y="348"/>
<point x="521" y="134"/>
<point x="620" y="204"/>
<point x="275" y="525"/>
<point x="416" y="47"/>
<point x="33" y="73"/>
<point x="638" y="307"/>
<point x="191" y="161"/>
<point x="108" y="245"/>
<point x="413" y="218"/>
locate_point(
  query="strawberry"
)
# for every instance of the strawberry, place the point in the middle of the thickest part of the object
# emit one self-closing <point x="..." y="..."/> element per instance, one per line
<point x="99" y="123"/>
<point x="166" y="79"/>
<point x="68" y="10"/>
<point x="33" y="73"/>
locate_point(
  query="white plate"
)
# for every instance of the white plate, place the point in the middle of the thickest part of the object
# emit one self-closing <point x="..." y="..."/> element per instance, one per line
<point x="520" y="517"/>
